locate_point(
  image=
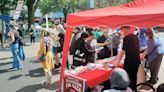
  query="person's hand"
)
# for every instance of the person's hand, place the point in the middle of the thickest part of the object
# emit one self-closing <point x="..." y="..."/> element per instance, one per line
<point x="106" y="43"/>
<point x="116" y="63"/>
<point x="97" y="51"/>
<point x="142" y="57"/>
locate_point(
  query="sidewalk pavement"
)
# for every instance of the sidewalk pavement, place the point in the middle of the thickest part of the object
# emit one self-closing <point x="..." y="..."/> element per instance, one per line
<point x="28" y="79"/>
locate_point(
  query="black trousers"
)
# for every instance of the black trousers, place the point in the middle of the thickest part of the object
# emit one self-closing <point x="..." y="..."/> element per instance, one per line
<point x="32" y="39"/>
<point x="132" y="69"/>
<point x="115" y="52"/>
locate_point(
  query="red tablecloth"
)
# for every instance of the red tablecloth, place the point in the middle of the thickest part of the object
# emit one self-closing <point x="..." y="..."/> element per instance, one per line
<point x="95" y="77"/>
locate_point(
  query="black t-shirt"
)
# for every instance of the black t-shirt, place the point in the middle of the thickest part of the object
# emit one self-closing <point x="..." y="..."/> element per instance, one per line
<point x="132" y="49"/>
<point x="20" y="30"/>
<point x="102" y="39"/>
<point x="104" y="53"/>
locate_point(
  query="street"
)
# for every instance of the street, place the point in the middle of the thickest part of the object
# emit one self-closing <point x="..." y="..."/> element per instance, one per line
<point x="28" y="79"/>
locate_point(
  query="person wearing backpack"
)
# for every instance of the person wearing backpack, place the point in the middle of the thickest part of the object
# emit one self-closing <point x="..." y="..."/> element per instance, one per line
<point x="21" y="44"/>
<point x="14" y="44"/>
<point x="154" y="52"/>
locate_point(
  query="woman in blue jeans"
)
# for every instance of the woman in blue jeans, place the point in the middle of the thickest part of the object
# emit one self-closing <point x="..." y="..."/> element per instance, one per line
<point x="17" y="63"/>
<point x="21" y="51"/>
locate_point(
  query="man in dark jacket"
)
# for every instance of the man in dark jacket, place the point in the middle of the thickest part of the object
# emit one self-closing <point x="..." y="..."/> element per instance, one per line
<point x="81" y="52"/>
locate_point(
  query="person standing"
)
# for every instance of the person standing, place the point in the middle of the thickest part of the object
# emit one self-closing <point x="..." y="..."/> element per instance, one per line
<point x="81" y="52"/>
<point x="45" y="55"/>
<point x="56" y="45"/>
<point x="32" y="34"/>
<point x="21" y="43"/>
<point x="21" y="30"/>
<point x="14" y="38"/>
<point x="154" y="52"/>
<point x="131" y="49"/>
<point x="103" y="42"/>
<point x="77" y="33"/>
<point x="116" y="38"/>
<point x="142" y="37"/>
<point x="91" y="48"/>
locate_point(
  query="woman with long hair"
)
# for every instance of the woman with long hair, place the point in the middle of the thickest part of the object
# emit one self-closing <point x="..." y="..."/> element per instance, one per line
<point x="14" y="44"/>
<point x="45" y="56"/>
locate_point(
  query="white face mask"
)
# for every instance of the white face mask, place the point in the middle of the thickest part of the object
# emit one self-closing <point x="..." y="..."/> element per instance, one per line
<point x="146" y="37"/>
<point x="85" y="40"/>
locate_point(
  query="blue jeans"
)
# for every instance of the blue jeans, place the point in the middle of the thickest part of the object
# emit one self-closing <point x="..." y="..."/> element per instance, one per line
<point x="21" y="53"/>
<point x="17" y="63"/>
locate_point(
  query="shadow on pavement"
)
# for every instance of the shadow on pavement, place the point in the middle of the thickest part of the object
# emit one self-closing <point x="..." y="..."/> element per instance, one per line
<point x="31" y="88"/>
<point x="34" y="61"/>
<point x="4" y="71"/>
<point x="2" y="64"/>
<point x="36" y="87"/>
<point x="53" y="86"/>
<point x="15" y="77"/>
<point x="39" y="72"/>
<point x="6" y="58"/>
<point x="5" y="49"/>
<point x="36" y="73"/>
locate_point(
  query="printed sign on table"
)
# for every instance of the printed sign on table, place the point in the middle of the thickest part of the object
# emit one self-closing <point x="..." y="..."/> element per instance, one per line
<point x="73" y="84"/>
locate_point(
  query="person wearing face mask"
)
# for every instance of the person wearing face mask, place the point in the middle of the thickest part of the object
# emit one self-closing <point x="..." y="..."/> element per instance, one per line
<point x="91" y="48"/>
<point x="103" y="42"/>
<point x="81" y="52"/>
<point x="131" y="50"/>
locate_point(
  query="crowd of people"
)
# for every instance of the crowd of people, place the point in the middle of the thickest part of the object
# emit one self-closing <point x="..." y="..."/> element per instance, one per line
<point x="93" y="44"/>
<point x="90" y="45"/>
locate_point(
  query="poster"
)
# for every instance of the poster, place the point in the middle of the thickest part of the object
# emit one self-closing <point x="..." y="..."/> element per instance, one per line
<point x="73" y="84"/>
<point x="18" y="9"/>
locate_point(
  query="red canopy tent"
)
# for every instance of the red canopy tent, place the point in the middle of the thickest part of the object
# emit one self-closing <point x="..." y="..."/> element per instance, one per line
<point x="140" y="13"/>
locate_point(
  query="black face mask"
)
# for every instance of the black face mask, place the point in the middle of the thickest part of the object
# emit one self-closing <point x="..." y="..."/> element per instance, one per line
<point x="118" y="88"/>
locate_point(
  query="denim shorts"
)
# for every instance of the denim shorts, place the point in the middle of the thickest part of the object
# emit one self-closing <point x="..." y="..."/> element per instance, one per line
<point x="55" y="50"/>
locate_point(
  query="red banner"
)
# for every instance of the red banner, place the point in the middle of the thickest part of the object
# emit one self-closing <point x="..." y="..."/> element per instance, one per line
<point x="73" y="84"/>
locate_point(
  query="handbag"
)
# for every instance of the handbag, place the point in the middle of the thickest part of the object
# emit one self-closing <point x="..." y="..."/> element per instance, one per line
<point x="21" y="40"/>
<point x="43" y="58"/>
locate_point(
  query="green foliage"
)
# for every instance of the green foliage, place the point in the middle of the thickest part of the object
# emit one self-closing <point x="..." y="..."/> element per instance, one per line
<point x="106" y="3"/>
<point x="50" y="24"/>
<point x="65" y="6"/>
<point x="46" y="6"/>
<point x="5" y="6"/>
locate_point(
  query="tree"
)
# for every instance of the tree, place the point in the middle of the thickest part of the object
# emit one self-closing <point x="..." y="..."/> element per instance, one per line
<point x="65" y="6"/>
<point x="105" y="3"/>
<point x="5" y="7"/>
<point x="32" y="6"/>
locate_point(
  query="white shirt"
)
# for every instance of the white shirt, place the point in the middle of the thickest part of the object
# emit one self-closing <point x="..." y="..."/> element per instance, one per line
<point x="55" y="42"/>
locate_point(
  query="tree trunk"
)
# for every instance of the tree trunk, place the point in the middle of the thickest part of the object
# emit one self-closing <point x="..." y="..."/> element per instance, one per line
<point x="30" y="16"/>
<point x="65" y="17"/>
<point x="3" y="33"/>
